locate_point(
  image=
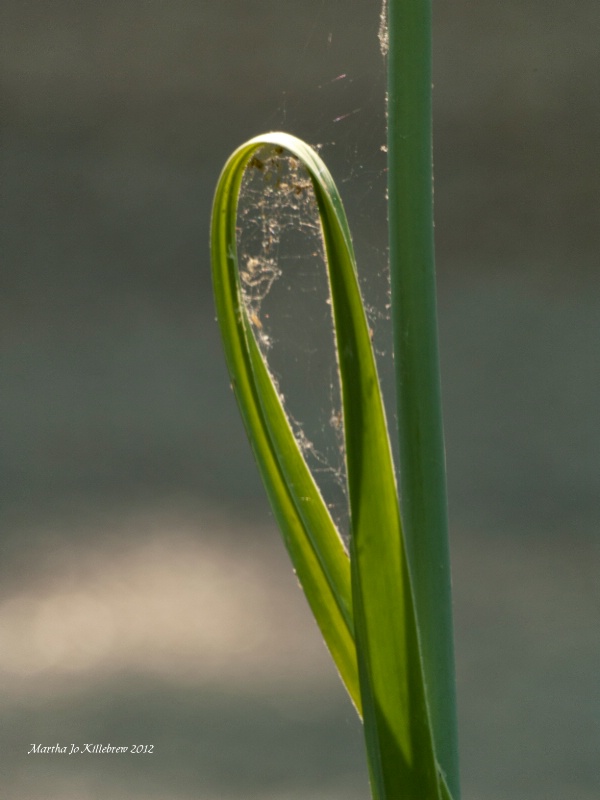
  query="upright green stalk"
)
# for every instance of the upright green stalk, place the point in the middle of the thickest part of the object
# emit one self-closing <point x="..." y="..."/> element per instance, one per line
<point x="422" y="459"/>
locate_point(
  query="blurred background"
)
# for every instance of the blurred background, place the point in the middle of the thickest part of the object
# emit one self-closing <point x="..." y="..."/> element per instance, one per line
<point x="145" y="597"/>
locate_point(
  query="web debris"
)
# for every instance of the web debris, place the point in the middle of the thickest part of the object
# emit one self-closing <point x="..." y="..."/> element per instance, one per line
<point x="286" y="294"/>
<point x="383" y="33"/>
<point x="274" y="200"/>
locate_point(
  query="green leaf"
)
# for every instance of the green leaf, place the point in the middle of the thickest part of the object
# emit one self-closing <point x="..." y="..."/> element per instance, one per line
<point x="413" y="303"/>
<point x="315" y="547"/>
<point x="397" y="729"/>
<point x="364" y="606"/>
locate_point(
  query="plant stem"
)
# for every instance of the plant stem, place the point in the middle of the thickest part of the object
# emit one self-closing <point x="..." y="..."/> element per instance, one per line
<point x="422" y="459"/>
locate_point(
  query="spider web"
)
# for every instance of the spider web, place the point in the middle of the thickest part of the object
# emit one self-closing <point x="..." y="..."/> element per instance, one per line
<point x="282" y="263"/>
<point x="286" y="294"/>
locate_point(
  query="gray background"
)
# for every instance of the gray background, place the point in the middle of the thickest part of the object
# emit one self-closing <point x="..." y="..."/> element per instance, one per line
<point x="145" y="596"/>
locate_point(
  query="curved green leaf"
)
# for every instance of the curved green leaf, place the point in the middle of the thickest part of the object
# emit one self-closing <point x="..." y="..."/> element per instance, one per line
<point x="364" y="606"/>
<point x="315" y="547"/>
